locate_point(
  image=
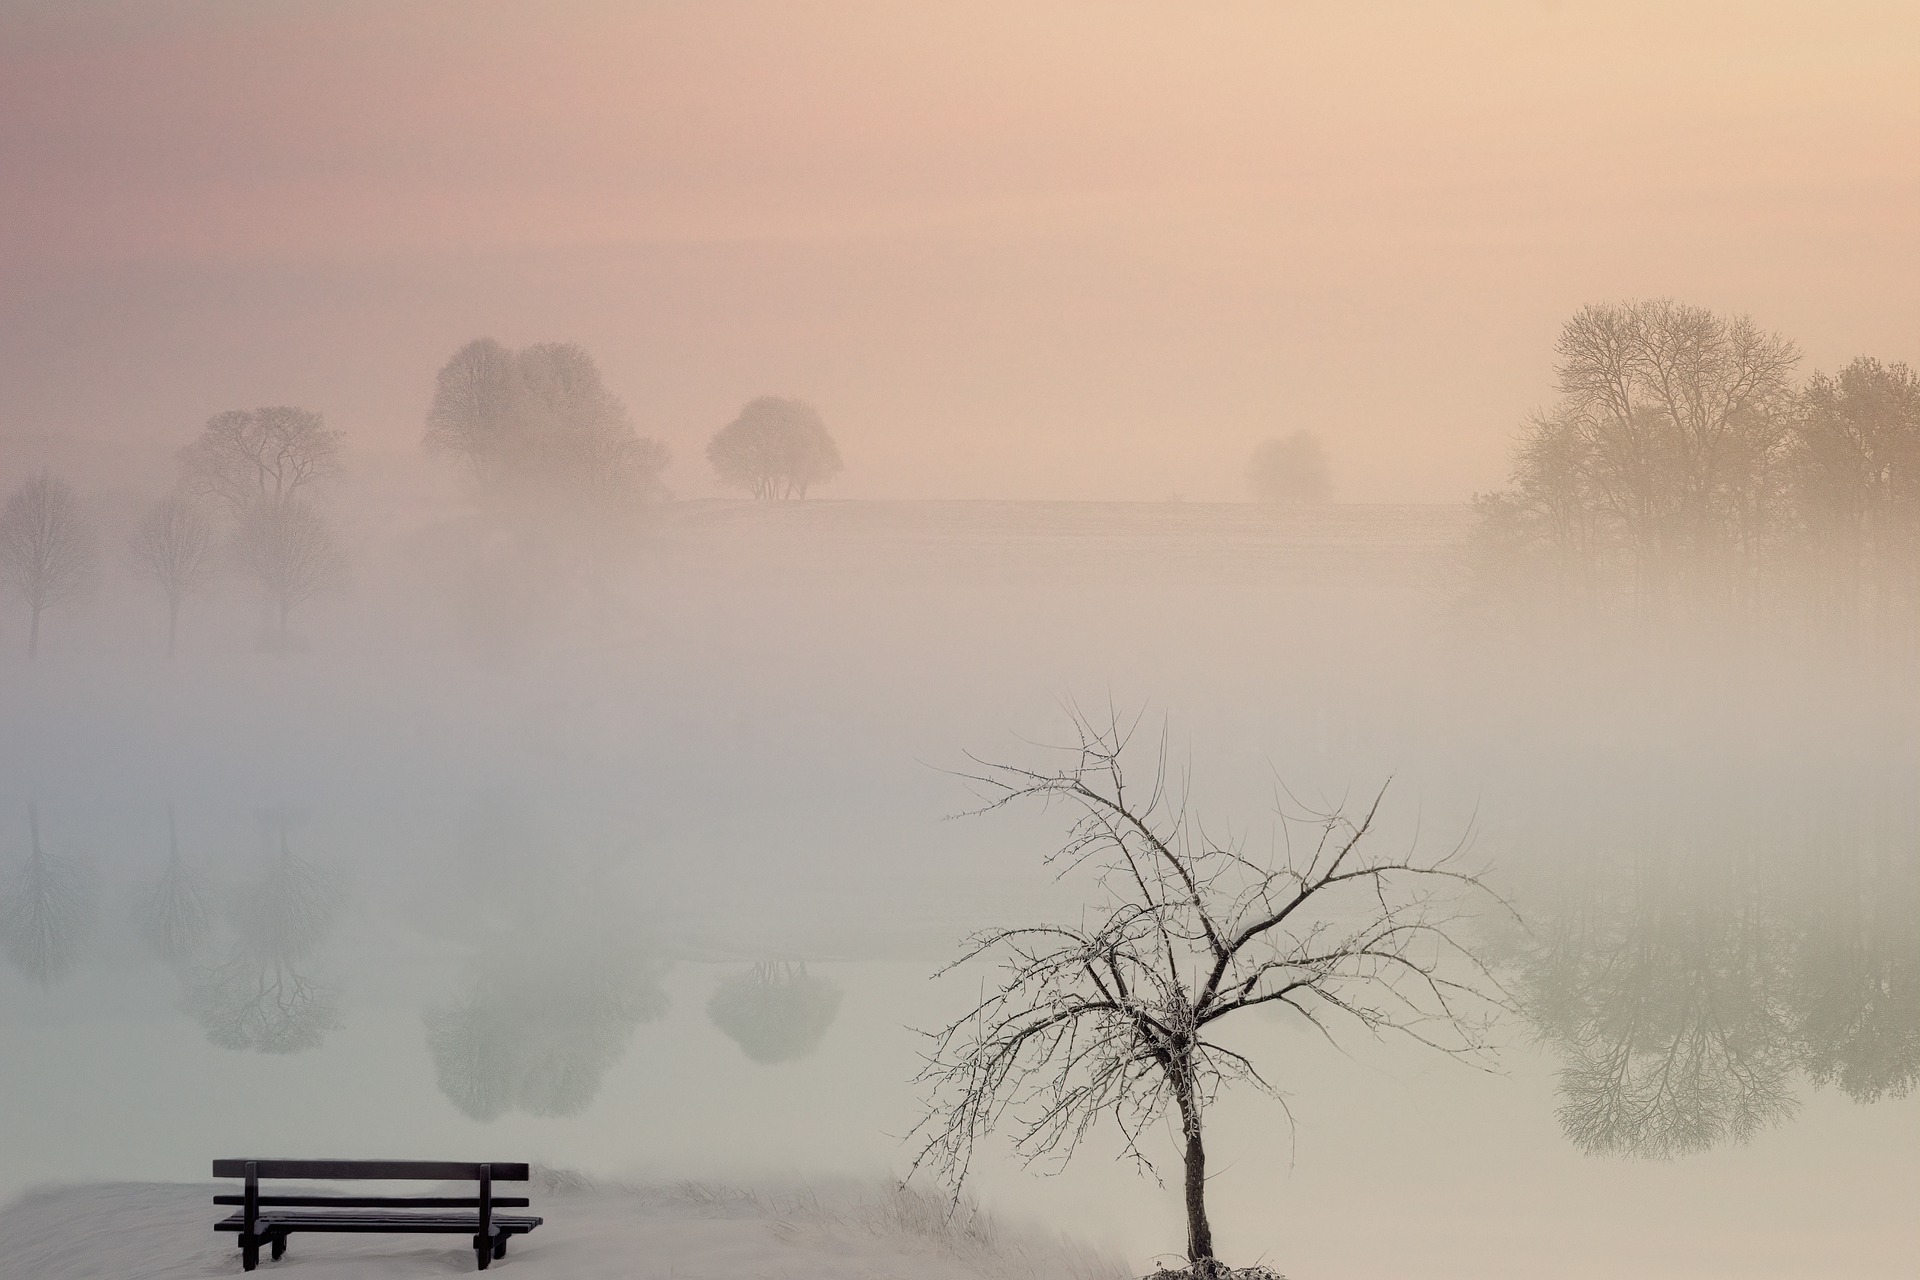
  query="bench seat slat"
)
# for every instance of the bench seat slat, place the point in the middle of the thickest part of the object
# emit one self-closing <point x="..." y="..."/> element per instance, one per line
<point x="380" y="1202"/>
<point x="511" y="1224"/>
<point x="369" y="1170"/>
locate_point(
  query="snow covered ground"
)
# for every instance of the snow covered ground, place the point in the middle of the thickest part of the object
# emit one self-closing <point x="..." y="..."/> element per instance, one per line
<point x="164" y="1231"/>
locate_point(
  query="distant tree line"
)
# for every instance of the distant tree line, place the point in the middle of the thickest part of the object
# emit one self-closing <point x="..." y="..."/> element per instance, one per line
<point x="545" y="443"/>
<point x="1683" y="471"/>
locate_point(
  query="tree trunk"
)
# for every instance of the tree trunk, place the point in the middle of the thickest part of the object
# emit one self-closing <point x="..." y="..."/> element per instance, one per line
<point x="1199" y="1230"/>
<point x="33" y="635"/>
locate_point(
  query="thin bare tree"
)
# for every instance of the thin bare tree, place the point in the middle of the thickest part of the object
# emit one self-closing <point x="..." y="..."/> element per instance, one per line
<point x="290" y="551"/>
<point x="46" y="548"/>
<point x="1121" y="1016"/>
<point x="174" y="548"/>
<point x="245" y="458"/>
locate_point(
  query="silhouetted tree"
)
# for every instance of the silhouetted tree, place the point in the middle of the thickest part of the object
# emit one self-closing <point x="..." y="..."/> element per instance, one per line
<point x="46" y="548"/>
<point x="774" y="1012"/>
<point x="775" y="449"/>
<point x="538" y="427"/>
<point x="290" y="551"/>
<point x="250" y="458"/>
<point x="45" y="906"/>
<point x="1292" y="469"/>
<point x="174" y="548"/>
<point x="1118" y="1015"/>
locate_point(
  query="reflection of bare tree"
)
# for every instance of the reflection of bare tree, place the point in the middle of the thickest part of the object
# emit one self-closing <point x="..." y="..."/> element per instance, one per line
<point x="263" y="996"/>
<point x="1668" y="1012"/>
<point x="538" y="1029"/>
<point x="774" y="1012"/>
<point x="1691" y="993"/>
<point x="1857" y="983"/>
<point x="265" y="1004"/>
<point x="45" y="905"/>
<point x="172" y="912"/>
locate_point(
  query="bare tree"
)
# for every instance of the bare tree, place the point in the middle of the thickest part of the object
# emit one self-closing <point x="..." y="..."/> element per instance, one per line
<point x="174" y="547"/>
<point x="46" y="548"/>
<point x="775" y="449"/>
<point x="1121" y="1015"/>
<point x="246" y="458"/>
<point x="290" y="551"/>
<point x="1291" y="470"/>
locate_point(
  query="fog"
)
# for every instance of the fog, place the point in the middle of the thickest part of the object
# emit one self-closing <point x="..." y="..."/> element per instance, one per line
<point x="519" y="688"/>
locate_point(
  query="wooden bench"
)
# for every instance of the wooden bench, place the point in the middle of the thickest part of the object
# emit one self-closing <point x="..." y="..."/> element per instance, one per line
<point x="269" y="1220"/>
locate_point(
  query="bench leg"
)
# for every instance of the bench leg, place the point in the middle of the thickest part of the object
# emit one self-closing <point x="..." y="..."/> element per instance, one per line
<point x="279" y="1245"/>
<point x="500" y="1245"/>
<point x="249" y="1252"/>
<point x="482" y="1252"/>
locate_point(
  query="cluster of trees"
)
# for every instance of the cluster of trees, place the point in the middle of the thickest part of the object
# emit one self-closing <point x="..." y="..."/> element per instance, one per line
<point x="538" y="429"/>
<point x="245" y="499"/>
<point x="1683" y="469"/>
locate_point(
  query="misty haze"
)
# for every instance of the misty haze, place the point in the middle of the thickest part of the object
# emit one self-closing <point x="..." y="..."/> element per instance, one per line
<point x="988" y="641"/>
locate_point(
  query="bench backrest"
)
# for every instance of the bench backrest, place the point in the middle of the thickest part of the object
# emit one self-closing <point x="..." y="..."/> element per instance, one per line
<point x="369" y="1170"/>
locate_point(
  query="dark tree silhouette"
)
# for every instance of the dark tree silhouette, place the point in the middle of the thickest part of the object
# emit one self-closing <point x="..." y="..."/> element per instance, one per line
<point x="46" y="548"/>
<point x="1119" y="1015"/>
<point x="174" y="548"/>
<point x="775" y="449"/>
<point x="1291" y="470"/>
<point x="775" y="1012"/>
<point x="45" y="906"/>
<point x="248" y="458"/>
<point x="291" y="553"/>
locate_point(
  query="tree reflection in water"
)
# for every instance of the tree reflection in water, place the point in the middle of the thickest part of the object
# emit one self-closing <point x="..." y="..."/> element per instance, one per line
<point x="775" y="1012"/>
<point x="540" y="1023"/>
<point x="46" y="904"/>
<point x="1694" y="988"/>
<point x="264" y="996"/>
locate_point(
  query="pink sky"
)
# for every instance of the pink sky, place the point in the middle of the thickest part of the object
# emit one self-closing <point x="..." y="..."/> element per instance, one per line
<point x="1039" y="250"/>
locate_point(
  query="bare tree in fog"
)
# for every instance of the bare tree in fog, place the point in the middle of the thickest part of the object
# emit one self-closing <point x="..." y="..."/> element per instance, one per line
<point x="174" y="548"/>
<point x="1290" y="469"/>
<point x="538" y="428"/>
<point x="776" y="449"/>
<point x="775" y="1012"/>
<point x="248" y="458"/>
<point x="289" y="550"/>
<point x="1663" y="464"/>
<point x="264" y="996"/>
<point x="46" y="548"/>
<point x="173" y="912"/>
<point x="1120" y="1015"/>
<point x="46" y="904"/>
